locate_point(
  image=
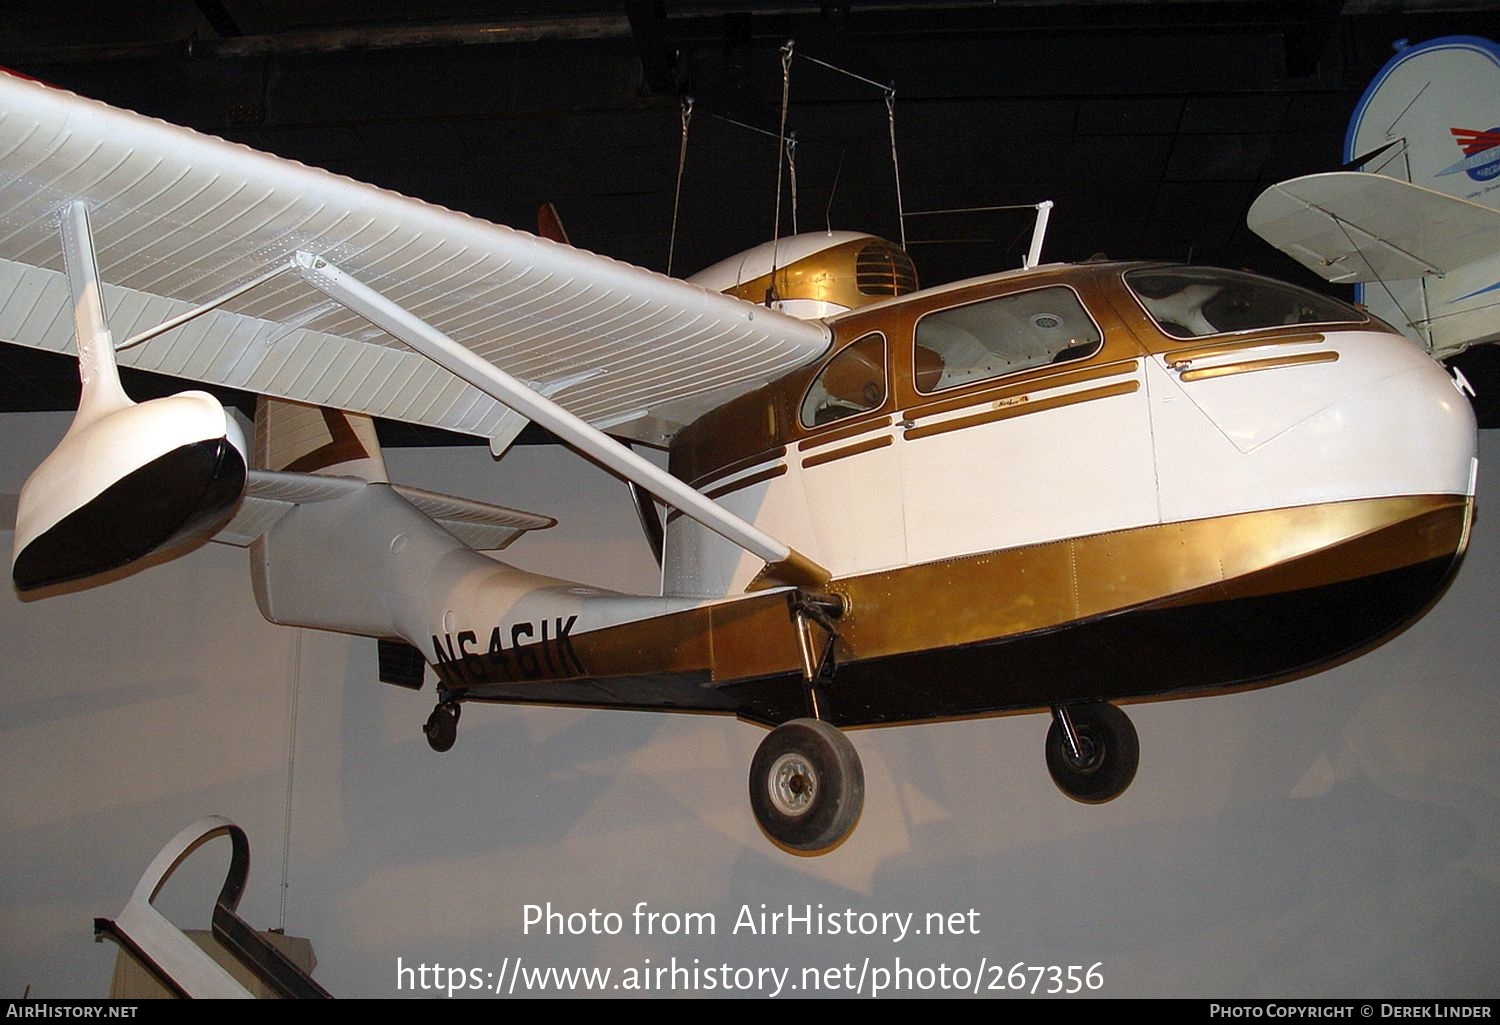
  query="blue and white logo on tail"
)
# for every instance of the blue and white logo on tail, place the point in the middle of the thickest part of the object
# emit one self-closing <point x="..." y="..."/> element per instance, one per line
<point x="1431" y="117"/>
<point x="1437" y="98"/>
<point x="1481" y="160"/>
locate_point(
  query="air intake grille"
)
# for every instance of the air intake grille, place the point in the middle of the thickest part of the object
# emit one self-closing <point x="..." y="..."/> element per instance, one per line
<point x="882" y="269"/>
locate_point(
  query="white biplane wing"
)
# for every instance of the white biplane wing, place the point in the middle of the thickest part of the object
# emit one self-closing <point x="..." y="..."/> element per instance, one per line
<point x="1433" y="258"/>
<point x="1349" y="226"/>
<point x="180" y="219"/>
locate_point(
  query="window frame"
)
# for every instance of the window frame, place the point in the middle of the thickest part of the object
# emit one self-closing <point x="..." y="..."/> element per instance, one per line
<point x="1077" y="297"/>
<point x="885" y="383"/>
<point x="1362" y="317"/>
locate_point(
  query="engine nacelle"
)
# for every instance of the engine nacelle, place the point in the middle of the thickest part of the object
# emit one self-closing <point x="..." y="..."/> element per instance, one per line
<point x="122" y="485"/>
<point x="815" y="274"/>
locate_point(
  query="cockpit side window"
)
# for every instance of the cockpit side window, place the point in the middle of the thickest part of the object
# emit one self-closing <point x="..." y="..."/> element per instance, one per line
<point x="1193" y="302"/>
<point x="999" y="336"/>
<point x="853" y="382"/>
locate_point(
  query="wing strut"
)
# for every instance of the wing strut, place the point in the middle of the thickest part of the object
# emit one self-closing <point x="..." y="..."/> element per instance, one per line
<point x="783" y="564"/>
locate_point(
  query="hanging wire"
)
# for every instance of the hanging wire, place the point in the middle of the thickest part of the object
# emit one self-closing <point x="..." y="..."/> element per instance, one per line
<point x="890" y="114"/>
<point x="786" y="94"/>
<point x="687" y="118"/>
<point x="741" y="124"/>
<point x="791" y="169"/>
<point x="291" y="772"/>
<point x="844" y="71"/>
<point x="971" y="209"/>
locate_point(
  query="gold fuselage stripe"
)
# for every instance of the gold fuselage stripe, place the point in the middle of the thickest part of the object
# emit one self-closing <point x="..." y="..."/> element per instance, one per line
<point x="735" y="467"/>
<point x="770" y="473"/>
<point x="997" y="595"/>
<point x="1005" y="391"/>
<point x="728" y="489"/>
<point x="1251" y="366"/>
<point x="844" y="434"/>
<point x="1021" y="406"/>
<point x="1225" y="348"/>
<point x="852" y="450"/>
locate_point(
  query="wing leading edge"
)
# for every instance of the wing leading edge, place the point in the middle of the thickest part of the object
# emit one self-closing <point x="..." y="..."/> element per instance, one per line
<point x="181" y="218"/>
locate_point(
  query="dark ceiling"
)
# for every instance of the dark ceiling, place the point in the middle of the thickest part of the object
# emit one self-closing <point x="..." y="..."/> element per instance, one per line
<point x="1152" y="125"/>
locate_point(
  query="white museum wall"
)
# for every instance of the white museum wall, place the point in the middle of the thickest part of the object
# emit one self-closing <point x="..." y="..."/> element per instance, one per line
<point x="1335" y="836"/>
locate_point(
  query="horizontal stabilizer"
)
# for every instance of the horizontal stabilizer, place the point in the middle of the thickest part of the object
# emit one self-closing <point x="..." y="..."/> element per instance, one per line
<point x="1348" y="226"/>
<point x="270" y="495"/>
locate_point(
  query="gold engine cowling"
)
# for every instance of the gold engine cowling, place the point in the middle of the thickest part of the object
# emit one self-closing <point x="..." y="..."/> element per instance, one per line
<point x="839" y="271"/>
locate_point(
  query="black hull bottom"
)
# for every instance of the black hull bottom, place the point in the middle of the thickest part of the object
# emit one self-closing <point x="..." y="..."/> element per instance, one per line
<point x="1179" y="648"/>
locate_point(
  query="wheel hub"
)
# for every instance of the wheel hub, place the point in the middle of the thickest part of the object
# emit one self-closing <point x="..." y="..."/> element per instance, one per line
<point x="1090" y="751"/>
<point x="793" y="784"/>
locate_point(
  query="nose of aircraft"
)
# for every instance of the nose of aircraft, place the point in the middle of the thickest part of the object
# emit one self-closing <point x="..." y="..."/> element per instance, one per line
<point x="1400" y="425"/>
<point x="1341" y="416"/>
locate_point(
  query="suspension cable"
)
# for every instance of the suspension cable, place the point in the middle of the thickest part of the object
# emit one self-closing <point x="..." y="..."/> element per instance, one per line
<point x="791" y="169"/>
<point x="687" y="118"/>
<point x="890" y="114"/>
<point x="786" y="93"/>
<point x="843" y="71"/>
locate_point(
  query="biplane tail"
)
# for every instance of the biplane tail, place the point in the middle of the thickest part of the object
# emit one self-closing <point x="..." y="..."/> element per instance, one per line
<point x="1416" y="228"/>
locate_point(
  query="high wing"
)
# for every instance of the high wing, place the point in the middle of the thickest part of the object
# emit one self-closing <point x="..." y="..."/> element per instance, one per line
<point x="1436" y="257"/>
<point x="181" y="219"/>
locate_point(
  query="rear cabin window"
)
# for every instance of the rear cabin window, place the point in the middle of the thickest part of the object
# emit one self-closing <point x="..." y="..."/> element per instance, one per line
<point x="853" y="382"/>
<point x="1192" y="302"/>
<point x="1001" y="336"/>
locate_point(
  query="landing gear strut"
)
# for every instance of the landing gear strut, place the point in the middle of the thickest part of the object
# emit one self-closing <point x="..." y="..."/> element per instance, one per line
<point x="807" y="786"/>
<point x="1092" y="751"/>
<point x="442" y="725"/>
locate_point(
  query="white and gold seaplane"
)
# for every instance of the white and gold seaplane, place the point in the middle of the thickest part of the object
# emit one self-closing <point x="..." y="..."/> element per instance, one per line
<point x="1049" y="489"/>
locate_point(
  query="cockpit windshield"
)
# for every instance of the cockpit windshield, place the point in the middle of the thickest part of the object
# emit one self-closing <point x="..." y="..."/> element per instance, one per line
<point x="1192" y="302"/>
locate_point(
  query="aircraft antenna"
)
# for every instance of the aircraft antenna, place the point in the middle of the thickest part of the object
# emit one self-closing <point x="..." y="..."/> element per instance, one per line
<point x="834" y="190"/>
<point x="687" y="118"/>
<point x="890" y="114"/>
<point x="786" y="94"/>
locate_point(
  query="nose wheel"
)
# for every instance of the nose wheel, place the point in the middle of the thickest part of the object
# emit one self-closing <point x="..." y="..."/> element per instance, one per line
<point x="1092" y="751"/>
<point x="807" y="786"/>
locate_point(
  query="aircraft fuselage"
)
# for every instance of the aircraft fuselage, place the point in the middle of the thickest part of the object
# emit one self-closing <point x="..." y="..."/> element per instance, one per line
<point x="1040" y="488"/>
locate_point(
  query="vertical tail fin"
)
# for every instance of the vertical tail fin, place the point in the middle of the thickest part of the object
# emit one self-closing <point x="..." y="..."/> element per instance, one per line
<point x="314" y="439"/>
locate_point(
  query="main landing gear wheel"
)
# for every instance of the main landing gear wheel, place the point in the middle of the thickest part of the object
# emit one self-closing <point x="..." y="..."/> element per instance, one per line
<point x="807" y="787"/>
<point x="1107" y="755"/>
<point x="442" y="726"/>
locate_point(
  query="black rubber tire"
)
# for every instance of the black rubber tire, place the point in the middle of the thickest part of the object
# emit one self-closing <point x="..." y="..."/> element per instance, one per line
<point x="807" y="786"/>
<point x="1112" y="753"/>
<point x="442" y="728"/>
